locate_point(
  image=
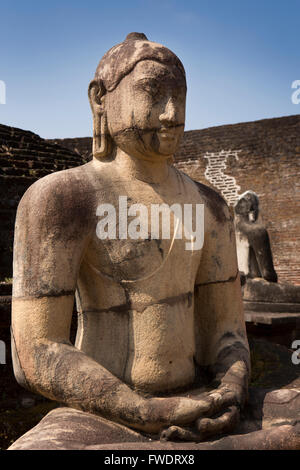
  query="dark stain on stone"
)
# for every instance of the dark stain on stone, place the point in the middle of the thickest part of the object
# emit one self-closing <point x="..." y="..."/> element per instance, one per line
<point x="135" y="129"/>
<point x="227" y="335"/>
<point x="140" y="307"/>
<point x="155" y="142"/>
<point x="230" y="279"/>
<point x="18" y="370"/>
<point x="178" y="298"/>
<point x="50" y="293"/>
<point x="214" y="201"/>
<point x="158" y="243"/>
<point x="51" y="378"/>
<point x="229" y="355"/>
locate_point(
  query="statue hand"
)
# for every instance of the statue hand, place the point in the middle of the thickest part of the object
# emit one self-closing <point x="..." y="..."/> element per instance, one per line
<point x="221" y="417"/>
<point x="161" y="413"/>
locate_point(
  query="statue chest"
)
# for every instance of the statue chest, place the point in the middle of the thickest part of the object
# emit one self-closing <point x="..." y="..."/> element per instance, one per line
<point x="147" y="235"/>
<point x="122" y="260"/>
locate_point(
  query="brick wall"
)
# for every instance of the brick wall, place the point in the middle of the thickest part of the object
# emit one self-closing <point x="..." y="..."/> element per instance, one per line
<point x="24" y="158"/>
<point x="80" y="145"/>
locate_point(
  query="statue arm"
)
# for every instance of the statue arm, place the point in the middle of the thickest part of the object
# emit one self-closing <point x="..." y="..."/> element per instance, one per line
<point x="52" y="232"/>
<point x="221" y="340"/>
<point x="222" y="344"/>
<point x="47" y="363"/>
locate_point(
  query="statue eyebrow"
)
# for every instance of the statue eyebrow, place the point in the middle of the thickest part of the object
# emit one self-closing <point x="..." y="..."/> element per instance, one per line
<point x="155" y="80"/>
<point x="147" y="79"/>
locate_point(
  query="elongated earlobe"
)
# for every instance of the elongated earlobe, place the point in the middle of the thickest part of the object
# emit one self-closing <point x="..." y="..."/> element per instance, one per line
<point x="101" y="137"/>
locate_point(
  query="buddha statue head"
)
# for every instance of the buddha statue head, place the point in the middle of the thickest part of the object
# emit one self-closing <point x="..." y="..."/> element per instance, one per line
<point x="247" y="206"/>
<point x="138" y="100"/>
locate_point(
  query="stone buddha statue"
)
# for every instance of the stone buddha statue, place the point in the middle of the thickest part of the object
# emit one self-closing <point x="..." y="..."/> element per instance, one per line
<point x="253" y="243"/>
<point x="255" y="258"/>
<point x="161" y="350"/>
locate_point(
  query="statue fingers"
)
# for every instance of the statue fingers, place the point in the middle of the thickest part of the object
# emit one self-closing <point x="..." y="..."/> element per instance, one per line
<point x="222" y="399"/>
<point x="204" y="428"/>
<point x="177" y="433"/>
<point x="222" y="424"/>
<point x="188" y="410"/>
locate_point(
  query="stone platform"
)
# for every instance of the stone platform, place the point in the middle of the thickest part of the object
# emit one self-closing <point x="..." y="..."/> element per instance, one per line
<point x="272" y="310"/>
<point x="276" y="322"/>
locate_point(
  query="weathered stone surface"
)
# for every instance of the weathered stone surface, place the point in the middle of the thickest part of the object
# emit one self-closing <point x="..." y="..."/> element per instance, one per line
<point x="273" y="305"/>
<point x="160" y="350"/>
<point x="269" y="408"/>
<point x="260" y="290"/>
<point x="66" y="428"/>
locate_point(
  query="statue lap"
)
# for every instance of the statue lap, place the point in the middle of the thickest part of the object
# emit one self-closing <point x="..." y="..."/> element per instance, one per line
<point x="269" y="423"/>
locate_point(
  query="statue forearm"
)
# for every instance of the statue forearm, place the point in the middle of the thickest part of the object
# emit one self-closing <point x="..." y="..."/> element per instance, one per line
<point x="47" y="363"/>
<point x="63" y="373"/>
<point x="67" y="375"/>
<point x="227" y="354"/>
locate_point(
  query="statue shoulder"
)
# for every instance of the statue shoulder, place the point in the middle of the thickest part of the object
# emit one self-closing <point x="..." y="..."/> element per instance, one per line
<point x="65" y="194"/>
<point x="54" y="223"/>
<point x="219" y="259"/>
<point x="214" y="203"/>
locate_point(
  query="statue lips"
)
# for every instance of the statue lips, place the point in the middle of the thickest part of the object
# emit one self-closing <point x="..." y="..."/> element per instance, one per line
<point x="168" y="133"/>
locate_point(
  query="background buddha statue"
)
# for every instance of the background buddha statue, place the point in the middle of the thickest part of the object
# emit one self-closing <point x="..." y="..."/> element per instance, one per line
<point x="253" y="243"/>
<point x="255" y="258"/>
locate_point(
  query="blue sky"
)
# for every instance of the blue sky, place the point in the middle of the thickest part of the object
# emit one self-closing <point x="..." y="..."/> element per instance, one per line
<point x="240" y="56"/>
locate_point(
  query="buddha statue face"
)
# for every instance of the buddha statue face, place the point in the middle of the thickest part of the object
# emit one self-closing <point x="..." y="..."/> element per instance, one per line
<point x="146" y="111"/>
<point x="138" y="100"/>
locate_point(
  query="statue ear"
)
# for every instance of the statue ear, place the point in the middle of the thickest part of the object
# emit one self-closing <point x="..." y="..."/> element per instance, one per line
<point x="101" y="137"/>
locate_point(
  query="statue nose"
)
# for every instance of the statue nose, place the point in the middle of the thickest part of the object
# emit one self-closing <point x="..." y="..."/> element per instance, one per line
<point x="169" y="115"/>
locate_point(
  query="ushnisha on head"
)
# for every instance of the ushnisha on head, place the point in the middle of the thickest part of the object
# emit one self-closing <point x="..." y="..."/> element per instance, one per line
<point x="138" y="100"/>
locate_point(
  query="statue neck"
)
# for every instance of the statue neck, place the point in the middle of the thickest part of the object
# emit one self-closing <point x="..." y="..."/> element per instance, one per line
<point x="148" y="171"/>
